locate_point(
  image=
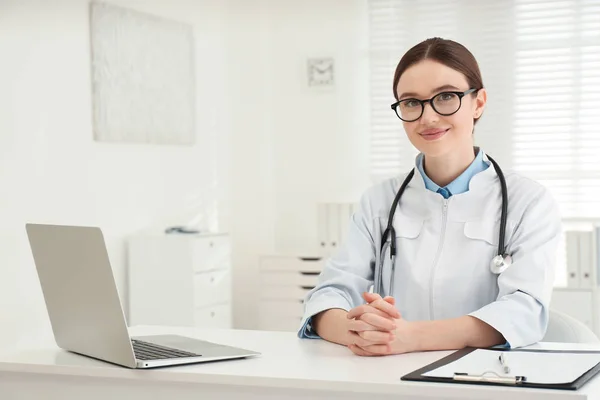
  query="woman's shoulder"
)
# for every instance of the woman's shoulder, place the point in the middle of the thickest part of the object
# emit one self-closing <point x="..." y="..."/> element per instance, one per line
<point x="526" y="192"/>
<point x="519" y="182"/>
<point x="377" y="198"/>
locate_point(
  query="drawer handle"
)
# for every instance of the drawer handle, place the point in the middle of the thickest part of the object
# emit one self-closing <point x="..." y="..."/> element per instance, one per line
<point x="310" y="273"/>
<point x="307" y="287"/>
<point x="310" y="258"/>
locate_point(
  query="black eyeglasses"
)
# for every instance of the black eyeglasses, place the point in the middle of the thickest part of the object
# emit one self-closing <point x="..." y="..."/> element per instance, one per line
<point x="444" y="103"/>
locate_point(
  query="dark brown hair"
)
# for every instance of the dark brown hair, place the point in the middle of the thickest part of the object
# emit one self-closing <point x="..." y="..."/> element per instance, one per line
<point x="448" y="52"/>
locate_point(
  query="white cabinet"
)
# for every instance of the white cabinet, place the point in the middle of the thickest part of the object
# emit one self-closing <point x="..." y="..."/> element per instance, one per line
<point x="284" y="282"/>
<point x="579" y="252"/>
<point x="180" y="280"/>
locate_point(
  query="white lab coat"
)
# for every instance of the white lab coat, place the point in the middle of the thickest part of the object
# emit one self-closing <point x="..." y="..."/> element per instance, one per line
<point x="444" y="250"/>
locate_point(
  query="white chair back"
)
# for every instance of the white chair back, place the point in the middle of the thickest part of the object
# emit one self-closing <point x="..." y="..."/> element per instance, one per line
<point x="566" y="329"/>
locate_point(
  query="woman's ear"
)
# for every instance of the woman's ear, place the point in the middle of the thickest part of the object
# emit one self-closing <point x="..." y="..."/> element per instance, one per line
<point x="480" y="101"/>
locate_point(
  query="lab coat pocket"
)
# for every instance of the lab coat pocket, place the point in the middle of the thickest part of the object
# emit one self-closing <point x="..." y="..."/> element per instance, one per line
<point x="407" y="227"/>
<point x="486" y="230"/>
<point x="481" y="245"/>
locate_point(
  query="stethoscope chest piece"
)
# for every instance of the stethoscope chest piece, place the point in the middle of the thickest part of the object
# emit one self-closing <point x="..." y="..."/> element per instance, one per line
<point x="500" y="263"/>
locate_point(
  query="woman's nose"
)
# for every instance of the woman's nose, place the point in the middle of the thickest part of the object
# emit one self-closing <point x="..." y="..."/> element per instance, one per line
<point x="429" y="114"/>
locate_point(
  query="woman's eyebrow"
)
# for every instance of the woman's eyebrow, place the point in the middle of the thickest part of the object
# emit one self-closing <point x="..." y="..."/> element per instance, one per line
<point x="438" y="89"/>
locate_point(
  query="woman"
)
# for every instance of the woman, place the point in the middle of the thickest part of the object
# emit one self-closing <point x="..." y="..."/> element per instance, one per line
<point x="444" y="292"/>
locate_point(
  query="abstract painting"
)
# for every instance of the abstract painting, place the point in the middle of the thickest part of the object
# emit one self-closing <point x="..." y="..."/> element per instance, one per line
<point x="143" y="86"/>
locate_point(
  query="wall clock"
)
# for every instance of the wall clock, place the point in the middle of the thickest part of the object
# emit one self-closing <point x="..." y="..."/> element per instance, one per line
<point x="320" y="72"/>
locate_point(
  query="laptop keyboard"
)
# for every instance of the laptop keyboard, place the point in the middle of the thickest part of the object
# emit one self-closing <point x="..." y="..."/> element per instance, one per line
<point x="151" y="351"/>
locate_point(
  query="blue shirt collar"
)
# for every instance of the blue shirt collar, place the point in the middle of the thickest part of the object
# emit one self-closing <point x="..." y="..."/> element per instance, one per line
<point x="460" y="184"/>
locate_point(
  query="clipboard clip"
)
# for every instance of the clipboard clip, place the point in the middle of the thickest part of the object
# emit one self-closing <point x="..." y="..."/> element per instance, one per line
<point x="489" y="376"/>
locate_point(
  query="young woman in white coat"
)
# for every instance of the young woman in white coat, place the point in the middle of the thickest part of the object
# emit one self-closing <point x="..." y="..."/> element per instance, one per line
<point x="441" y="291"/>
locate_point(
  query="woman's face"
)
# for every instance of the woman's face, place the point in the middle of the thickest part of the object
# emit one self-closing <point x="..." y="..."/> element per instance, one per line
<point x="434" y="134"/>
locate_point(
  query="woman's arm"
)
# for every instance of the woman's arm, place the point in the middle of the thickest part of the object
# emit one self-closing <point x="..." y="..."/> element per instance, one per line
<point x="519" y="316"/>
<point x="521" y="310"/>
<point x="375" y="326"/>
<point x="448" y="334"/>
<point x="332" y="325"/>
<point x="345" y="276"/>
<point x="455" y="333"/>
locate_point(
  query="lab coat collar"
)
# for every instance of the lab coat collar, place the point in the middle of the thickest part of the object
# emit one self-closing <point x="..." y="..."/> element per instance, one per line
<point x="477" y="182"/>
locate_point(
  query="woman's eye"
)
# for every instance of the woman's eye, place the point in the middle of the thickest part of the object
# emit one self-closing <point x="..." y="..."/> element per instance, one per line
<point x="411" y="103"/>
<point x="446" y="96"/>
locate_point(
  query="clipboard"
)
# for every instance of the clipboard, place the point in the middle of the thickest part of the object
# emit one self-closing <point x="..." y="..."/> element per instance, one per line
<point x="418" y="375"/>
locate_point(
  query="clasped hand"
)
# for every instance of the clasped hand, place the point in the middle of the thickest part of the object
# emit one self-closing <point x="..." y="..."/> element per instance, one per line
<point x="376" y="328"/>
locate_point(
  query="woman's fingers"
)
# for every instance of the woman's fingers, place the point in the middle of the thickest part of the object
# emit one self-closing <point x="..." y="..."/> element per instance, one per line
<point x="381" y="323"/>
<point x="386" y="304"/>
<point x="359" y="351"/>
<point x="377" y="349"/>
<point x="370" y="297"/>
<point x="358" y="325"/>
<point x="367" y="322"/>
<point x="378" y="337"/>
<point x="356" y="339"/>
<point x="382" y="305"/>
<point x="362" y="343"/>
<point x="357" y="312"/>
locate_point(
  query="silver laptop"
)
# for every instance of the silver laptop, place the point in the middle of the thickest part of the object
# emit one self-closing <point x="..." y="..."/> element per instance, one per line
<point x="84" y="307"/>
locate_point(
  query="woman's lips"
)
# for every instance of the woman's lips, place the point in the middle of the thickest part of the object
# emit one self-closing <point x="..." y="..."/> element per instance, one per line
<point x="433" y="134"/>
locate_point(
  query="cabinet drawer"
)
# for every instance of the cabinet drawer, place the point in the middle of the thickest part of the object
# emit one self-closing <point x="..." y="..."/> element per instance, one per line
<point x="281" y="309"/>
<point x="291" y="264"/>
<point x="274" y="278"/>
<point x="211" y="253"/>
<point x="217" y="316"/>
<point x="212" y="287"/>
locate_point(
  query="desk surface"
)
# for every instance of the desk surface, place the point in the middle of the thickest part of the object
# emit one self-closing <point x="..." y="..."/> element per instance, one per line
<point x="286" y="363"/>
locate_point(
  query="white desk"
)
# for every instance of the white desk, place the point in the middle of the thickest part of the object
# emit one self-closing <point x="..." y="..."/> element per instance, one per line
<point x="289" y="368"/>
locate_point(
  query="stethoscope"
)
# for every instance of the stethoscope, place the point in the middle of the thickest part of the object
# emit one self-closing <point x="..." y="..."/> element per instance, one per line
<point x="498" y="264"/>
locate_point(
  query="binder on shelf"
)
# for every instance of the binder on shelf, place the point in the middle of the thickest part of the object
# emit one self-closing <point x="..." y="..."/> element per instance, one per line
<point x="581" y="260"/>
<point x="597" y="253"/>
<point x="572" y="250"/>
<point x="547" y="369"/>
<point x="586" y="260"/>
<point x="345" y="216"/>
<point x="322" y="228"/>
<point x="333" y="222"/>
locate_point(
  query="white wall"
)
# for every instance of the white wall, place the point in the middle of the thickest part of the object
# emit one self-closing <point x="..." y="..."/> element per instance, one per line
<point x="274" y="146"/>
<point x="51" y="169"/>
<point x="321" y="136"/>
<point x="294" y="146"/>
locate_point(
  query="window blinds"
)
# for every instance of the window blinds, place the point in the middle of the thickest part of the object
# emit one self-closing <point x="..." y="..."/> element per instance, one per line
<point x="540" y="61"/>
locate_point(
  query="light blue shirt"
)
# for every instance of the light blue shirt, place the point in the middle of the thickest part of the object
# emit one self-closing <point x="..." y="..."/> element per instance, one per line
<point x="457" y="186"/>
<point x="460" y="184"/>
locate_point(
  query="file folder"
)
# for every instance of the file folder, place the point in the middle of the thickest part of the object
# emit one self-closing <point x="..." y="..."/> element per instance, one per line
<point x="588" y="363"/>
